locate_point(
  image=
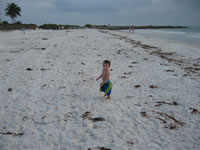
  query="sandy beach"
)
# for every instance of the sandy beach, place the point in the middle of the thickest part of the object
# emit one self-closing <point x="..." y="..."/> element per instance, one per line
<point x="50" y="99"/>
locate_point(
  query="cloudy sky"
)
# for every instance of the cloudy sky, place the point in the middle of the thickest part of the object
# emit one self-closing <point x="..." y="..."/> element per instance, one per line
<point x="115" y="12"/>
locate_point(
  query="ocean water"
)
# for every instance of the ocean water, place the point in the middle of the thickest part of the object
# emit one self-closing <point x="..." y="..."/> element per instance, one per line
<point x="189" y="36"/>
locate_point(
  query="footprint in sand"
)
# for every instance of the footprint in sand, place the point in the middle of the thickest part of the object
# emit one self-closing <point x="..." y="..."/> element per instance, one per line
<point x="7" y="60"/>
<point x="44" y="38"/>
<point x="130" y="143"/>
<point x="43" y="86"/>
<point x="119" y="51"/>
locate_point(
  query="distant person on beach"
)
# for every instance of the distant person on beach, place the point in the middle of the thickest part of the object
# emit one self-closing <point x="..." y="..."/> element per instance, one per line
<point x="106" y="85"/>
<point x="23" y="30"/>
<point x="131" y="29"/>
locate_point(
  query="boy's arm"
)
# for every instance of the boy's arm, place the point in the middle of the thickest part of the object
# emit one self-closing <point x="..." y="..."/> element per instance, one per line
<point x="99" y="77"/>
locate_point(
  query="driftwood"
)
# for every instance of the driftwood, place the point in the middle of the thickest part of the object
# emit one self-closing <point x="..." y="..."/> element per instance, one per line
<point x="163" y="102"/>
<point x="100" y="148"/>
<point x="170" y="117"/>
<point x="88" y="115"/>
<point x="12" y="133"/>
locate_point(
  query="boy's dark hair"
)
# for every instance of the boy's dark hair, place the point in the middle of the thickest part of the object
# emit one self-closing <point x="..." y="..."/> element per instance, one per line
<point x="107" y="62"/>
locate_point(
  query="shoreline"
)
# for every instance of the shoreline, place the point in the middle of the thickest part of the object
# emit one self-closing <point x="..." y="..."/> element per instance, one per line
<point x="191" y="64"/>
<point x="183" y="37"/>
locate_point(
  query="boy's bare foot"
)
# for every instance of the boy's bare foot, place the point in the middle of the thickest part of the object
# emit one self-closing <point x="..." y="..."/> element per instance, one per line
<point x="108" y="98"/>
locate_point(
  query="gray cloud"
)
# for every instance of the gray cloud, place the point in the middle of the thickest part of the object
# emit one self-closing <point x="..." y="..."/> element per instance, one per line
<point x="86" y="6"/>
<point x="155" y="12"/>
<point x="195" y="4"/>
<point x="96" y="6"/>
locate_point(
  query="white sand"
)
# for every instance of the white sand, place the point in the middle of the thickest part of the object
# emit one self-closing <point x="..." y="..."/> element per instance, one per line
<point x="45" y="108"/>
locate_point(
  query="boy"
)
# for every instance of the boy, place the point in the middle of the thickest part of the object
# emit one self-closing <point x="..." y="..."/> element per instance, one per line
<point x="106" y="85"/>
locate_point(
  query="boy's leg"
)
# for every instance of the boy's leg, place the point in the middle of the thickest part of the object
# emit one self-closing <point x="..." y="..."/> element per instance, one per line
<point x="108" y="95"/>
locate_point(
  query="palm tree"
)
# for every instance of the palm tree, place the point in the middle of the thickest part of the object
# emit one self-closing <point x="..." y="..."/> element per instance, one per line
<point x="13" y="11"/>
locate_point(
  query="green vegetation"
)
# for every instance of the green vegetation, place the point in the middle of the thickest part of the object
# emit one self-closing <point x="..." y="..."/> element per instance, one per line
<point x="5" y="26"/>
<point x="57" y="27"/>
<point x="92" y="26"/>
<point x="5" y="23"/>
<point x="49" y="26"/>
<point x="72" y="27"/>
<point x="13" y="11"/>
<point x="89" y="26"/>
<point x="18" y="25"/>
<point x="18" y="22"/>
